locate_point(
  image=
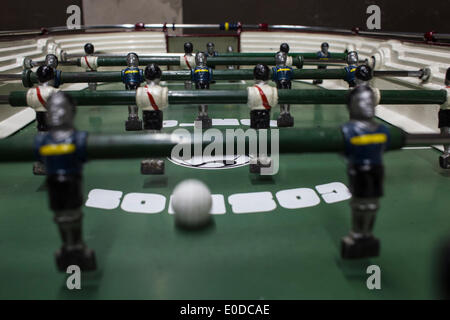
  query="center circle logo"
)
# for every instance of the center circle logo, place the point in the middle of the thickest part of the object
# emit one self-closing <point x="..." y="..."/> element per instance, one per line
<point x="212" y="162"/>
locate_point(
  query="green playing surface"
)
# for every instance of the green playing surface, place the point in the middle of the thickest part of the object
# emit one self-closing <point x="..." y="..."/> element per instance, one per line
<point x="280" y="254"/>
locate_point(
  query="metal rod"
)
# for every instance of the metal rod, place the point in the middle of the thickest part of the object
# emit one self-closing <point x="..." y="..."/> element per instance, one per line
<point x="426" y="139"/>
<point x="294" y="96"/>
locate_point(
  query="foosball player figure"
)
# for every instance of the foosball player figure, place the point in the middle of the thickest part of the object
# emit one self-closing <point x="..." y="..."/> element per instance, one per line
<point x="323" y="54"/>
<point x="188" y="49"/>
<point x="261" y="98"/>
<point x="132" y="76"/>
<point x="52" y="61"/>
<point x="352" y="63"/>
<point x="444" y="126"/>
<point x="152" y="99"/>
<point x="365" y="142"/>
<point x="63" y="151"/>
<point x="201" y="77"/>
<point x="260" y="104"/>
<point x="284" y="47"/>
<point x="89" y="63"/>
<point x="282" y="75"/>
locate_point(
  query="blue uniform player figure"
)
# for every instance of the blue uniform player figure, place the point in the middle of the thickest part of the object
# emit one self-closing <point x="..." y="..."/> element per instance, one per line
<point x="282" y="75"/>
<point x="352" y="61"/>
<point x="444" y="126"/>
<point x="365" y="143"/>
<point x="132" y="76"/>
<point x="201" y="76"/>
<point x="63" y="151"/>
<point x="323" y="54"/>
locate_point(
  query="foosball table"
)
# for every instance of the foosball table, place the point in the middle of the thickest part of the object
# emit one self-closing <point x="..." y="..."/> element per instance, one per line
<point x="353" y="173"/>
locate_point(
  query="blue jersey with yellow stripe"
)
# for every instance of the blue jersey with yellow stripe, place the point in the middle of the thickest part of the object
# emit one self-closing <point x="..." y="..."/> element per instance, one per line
<point x="364" y="146"/>
<point x="61" y="157"/>
<point x="281" y="73"/>
<point x="350" y="76"/>
<point x="201" y="74"/>
<point x="321" y="55"/>
<point x="132" y="76"/>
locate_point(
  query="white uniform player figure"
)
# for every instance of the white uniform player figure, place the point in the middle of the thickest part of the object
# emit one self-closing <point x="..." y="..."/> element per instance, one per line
<point x="152" y="99"/>
<point x="261" y="98"/>
<point x="37" y="99"/>
<point x="89" y="62"/>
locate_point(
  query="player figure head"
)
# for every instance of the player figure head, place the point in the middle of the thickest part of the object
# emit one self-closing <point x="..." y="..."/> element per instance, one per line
<point x="210" y="47"/>
<point x="45" y="74"/>
<point x="230" y="49"/>
<point x="352" y="58"/>
<point x="261" y="72"/>
<point x="153" y="73"/>
<point x="284" y="47"/>
<point x="132" y="60"/>
<point x="51" y="60"/>
<point x="200" y="59"/>
<point x="363" y="74"/>
<point x="361" y="103"/>
<point x="280" y="58"/>
<point x="188" y="48"/>
<point x="324" y="47"/>
<point x="61" y="111"/>
<point x="89" y="48"/>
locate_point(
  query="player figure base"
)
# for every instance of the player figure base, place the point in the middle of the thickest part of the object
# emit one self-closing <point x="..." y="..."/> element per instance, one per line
<point x="39" y="169"/>
<point x="318" y="81"/>
<point x="206" y="121"/>
<point x="285" y="120"/>
<point x="82" y="257"/>
<point x="255" y="167"/>
<point x="152" y="166"/>
<point x="444" y="161"/>
<point x="352" y="248"/>
<point x="133" y="125"/>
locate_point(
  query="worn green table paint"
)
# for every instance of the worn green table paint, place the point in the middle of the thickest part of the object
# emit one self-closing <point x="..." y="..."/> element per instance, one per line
<point x="283" y="254"/>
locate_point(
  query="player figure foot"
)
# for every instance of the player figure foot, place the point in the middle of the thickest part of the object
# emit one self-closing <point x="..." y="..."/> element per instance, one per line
<point x="285" y="120"/>
<point x="358" y="248"/>
<point x="133" y="124"/>
<point x="81" y="256"/>
<point x="444" y="161"/>
<point x="318" y="81"/>
<point x="205" y="120"/>
<point x="39" y="169"/>
<point x="152" y="166"/>
<point x="261" y="162"/>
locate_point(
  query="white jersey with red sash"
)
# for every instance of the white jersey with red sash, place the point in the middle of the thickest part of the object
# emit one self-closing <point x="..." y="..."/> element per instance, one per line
<point x="152" y="97"/>
<point x="262" y="96"/>
<point x="37" y="97"/>
<point x="89" y="63"/>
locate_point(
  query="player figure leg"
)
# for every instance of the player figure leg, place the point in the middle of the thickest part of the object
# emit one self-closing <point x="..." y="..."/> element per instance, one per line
<point x="133" y="123"/>
<point x="444" y="125"/>
<point x="319" y="81"/>
<point x="66" y="200"/>
<point x="366" y="187"/>
<point x="285" y="118"/>
<point x="41" y="118"/>
<point x="153" y="121"/>
<point x="203" y="116"/>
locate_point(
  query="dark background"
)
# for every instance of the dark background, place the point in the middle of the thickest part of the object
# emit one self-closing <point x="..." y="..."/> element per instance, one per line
<point x="408" y="16"/>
